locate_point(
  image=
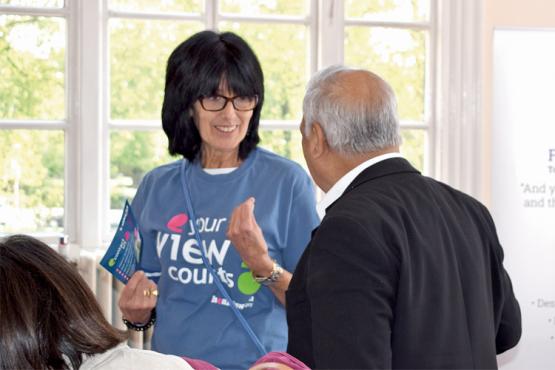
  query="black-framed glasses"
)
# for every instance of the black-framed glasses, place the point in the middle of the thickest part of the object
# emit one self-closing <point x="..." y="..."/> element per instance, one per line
<point x="215" y="103"/>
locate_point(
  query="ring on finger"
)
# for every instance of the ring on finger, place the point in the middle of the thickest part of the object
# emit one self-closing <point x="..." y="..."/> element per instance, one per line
<point x="150" y="292"/>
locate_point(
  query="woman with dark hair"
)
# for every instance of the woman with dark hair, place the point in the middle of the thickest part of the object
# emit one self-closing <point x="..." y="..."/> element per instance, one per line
<point x="213" y="98"/>
<point x="49" y="318"/>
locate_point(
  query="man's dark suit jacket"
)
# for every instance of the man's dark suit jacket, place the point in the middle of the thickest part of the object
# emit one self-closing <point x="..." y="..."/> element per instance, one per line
<point x="404" y="272"/>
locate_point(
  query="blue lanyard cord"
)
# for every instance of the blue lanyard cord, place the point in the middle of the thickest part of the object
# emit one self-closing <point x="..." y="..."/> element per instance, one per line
<point x="217" y="280"/>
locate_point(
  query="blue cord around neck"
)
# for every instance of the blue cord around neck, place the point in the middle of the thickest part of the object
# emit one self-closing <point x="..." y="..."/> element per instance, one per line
<point x="223" y="291"/>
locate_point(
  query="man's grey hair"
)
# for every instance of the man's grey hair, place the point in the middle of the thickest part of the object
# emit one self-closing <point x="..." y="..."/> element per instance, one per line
<point x="352" y="124"/>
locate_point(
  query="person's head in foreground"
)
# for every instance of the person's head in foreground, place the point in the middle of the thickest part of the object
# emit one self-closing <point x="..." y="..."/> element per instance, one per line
<point x="213" y="97"/>
<point x="49" y="318"/>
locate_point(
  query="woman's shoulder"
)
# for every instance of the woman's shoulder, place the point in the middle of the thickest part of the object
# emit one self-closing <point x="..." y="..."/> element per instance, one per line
<point x="145" y="359"/>
<point x="168" y="169"/>
<point x="123" y="357"/>
<point x="275" y="162"/>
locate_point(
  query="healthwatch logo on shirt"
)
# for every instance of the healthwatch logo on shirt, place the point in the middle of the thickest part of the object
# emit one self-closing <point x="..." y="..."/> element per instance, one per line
<point x="176" y="223"/>
<point x="184" y="249"/>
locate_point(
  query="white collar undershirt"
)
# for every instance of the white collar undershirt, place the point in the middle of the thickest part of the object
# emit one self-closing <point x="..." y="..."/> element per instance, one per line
<point x="219" y="171"/>
<point x="341" y="185"/>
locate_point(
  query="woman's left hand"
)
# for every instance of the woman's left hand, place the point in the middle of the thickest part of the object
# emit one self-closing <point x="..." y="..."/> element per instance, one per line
<point x="245" y="234"/>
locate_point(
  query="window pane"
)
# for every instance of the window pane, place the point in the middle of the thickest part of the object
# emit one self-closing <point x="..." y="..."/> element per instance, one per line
<point x="389" y="10"/>
<point x="283" y="53"/>
<point x="34" y="3"/>
<point x="139" y="51"/>
<point x="32" y="67"/>
<point x="414" y="147"/>
<point x="258" y="7"/>
<point x="284" y="142"/>
<point x="31" y="181"/>
<point x="181" y="6"/>
<point x="132" y="154"/>
<point x="398" y="56"/>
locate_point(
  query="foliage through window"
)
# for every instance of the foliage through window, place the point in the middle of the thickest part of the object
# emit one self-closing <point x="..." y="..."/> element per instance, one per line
<point x="390" y="37"/>
<point x="32" y="88"/>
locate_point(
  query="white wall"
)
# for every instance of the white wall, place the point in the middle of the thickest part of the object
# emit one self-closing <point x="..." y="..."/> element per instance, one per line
<point x="504" y="14"/>
<point x="519" y="130"/>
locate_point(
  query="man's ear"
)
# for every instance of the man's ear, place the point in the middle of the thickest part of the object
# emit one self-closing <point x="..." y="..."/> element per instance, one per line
<point x="319" y="143"/>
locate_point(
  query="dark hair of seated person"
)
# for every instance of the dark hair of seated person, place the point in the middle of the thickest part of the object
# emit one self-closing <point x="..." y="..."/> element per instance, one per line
<point x="49" y="318"/>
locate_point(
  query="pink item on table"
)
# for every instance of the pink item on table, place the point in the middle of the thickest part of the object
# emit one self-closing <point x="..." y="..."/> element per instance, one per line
<point x="283" y="358"/>
<point x="199" y="364"/>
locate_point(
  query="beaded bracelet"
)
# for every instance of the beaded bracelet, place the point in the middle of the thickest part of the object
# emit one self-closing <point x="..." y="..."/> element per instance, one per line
<point x="144" y="327"/>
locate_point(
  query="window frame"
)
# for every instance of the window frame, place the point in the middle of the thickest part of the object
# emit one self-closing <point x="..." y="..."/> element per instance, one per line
<point x="71" y="87"/>
<point x="452" y="97"/>
<point x="332" y="29"/>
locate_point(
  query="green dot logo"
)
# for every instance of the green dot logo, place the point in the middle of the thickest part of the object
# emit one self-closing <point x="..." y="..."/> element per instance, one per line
<point x="246" y="283"/>
<point x="111" y="262"/>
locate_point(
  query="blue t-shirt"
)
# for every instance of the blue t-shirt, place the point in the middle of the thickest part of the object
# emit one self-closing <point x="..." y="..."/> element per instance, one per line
<point x="193" y="318"/>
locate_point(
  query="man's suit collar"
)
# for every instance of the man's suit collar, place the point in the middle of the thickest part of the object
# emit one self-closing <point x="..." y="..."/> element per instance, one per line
<point x="384" y="168"/>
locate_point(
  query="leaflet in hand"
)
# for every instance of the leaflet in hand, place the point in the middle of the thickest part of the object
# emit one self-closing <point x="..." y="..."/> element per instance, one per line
<point x="124" y="253"/>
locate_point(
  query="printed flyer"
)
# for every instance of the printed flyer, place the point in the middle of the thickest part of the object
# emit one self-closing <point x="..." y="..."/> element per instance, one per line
<point x="124" y="253"/>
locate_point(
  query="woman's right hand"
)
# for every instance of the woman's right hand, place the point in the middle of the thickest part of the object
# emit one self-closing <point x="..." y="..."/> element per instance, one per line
<point x="137" y="301"/>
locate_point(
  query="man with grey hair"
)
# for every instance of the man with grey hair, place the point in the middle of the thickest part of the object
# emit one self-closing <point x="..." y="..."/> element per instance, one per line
<point x="404" y="272"/>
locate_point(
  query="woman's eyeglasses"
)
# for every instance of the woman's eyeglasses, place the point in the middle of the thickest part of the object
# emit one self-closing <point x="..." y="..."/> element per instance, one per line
<point x="217" y="103"/>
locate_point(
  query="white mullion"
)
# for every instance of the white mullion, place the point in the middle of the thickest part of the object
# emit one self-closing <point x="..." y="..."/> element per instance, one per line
<point x="332" y="33"/>
<point x="314" y="35"/>
<point x="268" y="124"/>
<point x="155" y="15"/>
<point x="384" y="24"/>
<point x="459" y="141"/>
<point x="134" y="124"/>
<point x="471" y="98"/>
<point x="413" y="125"/>
<point x="104" y="121"/>
<point x="71" y="148"/>
<point x="38" y="12"/>
<point x="211" y="14"/>
<point x="263" y="19"/>
<point x="430" y="102"/>
<point x="91" y="146"/>
<point x="33" y="124"/>
<point x="135" y="128"/>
